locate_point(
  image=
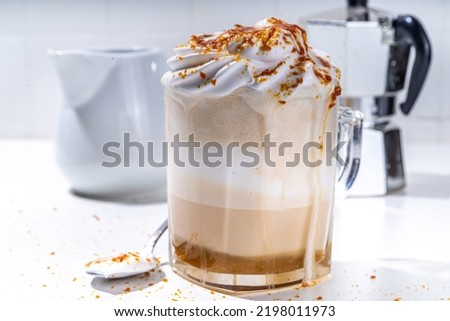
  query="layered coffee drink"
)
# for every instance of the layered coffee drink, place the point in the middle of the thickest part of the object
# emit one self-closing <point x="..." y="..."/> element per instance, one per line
<point x="251" y="199"/>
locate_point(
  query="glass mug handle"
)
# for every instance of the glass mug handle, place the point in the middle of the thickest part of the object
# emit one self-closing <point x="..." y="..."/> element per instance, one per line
<point x="349" y="131"/>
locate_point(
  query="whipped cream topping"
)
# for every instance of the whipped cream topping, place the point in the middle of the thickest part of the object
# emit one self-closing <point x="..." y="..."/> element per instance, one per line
<point x="273" y="56"/>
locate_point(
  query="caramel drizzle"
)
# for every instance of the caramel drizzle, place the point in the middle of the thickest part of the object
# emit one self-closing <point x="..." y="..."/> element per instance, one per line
<point x="234" y="41"/>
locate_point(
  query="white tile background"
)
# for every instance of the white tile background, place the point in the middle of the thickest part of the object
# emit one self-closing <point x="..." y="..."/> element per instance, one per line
<point x="30" y="93"/>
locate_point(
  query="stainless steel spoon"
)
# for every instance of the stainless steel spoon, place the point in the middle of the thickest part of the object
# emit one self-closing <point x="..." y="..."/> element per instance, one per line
<point x="130" y="263"/>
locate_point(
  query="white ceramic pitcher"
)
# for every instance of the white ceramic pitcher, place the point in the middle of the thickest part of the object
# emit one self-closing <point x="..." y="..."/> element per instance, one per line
<point x="110" y="93"/>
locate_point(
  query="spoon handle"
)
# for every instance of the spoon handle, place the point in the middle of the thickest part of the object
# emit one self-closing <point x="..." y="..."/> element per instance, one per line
<point x="150" y="246"/>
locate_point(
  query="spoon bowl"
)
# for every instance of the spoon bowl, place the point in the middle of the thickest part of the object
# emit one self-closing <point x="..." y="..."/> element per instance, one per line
<point x="130" y="263"/>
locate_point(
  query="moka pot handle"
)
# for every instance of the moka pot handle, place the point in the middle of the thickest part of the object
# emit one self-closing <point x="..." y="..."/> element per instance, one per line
<point x="409" y="29"/>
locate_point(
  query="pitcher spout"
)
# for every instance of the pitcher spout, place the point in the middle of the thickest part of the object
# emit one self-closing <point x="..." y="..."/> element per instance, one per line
<point x="80" y="74"/>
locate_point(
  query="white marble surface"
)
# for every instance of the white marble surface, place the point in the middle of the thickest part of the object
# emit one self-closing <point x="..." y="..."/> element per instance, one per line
<point x="47" y="235"/>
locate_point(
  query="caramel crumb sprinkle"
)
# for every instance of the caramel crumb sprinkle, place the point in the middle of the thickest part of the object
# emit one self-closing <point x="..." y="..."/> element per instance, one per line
<point x="52" y="253"/>
<point x="307" y="284"/>
<point x="398" y="299"/>
<point x="74" y="279"/>
<point x="319" y="298"/>
<point x="123" y="257"/>
<point x="235" y="41"/>
<point x="165" y="280"/>
<point x="373" y="277"/>
<point x="127" y="289"/>
<point x="97" y="296"/>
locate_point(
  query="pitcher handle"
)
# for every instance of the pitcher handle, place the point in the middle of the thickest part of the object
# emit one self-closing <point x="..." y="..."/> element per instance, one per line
<point x="349" y="131"/>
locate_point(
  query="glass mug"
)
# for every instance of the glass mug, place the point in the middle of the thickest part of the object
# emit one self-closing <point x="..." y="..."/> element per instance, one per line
<point x="252" y="192"/>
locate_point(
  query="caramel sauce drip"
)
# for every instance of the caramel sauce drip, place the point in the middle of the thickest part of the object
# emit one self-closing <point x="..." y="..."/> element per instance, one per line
<point x="336" y="92"/>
